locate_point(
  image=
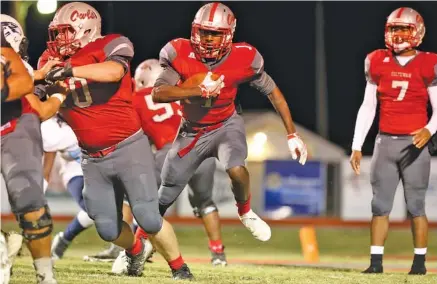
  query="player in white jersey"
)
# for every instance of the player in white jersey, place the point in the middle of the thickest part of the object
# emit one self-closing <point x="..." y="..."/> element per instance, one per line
<point x="58" y="137"/>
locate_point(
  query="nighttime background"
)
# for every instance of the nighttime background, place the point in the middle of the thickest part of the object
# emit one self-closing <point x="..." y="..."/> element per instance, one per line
<point x="283" y="32"/>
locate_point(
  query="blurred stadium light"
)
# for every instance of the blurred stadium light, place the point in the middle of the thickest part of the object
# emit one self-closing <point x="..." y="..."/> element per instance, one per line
<point x="47" y="6"/>
<point x="257" y="146"/>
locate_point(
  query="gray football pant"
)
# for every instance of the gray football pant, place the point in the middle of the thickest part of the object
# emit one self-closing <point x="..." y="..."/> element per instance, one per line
<point x="201" y="183"/>
<point x="21" y="165"/>
<point x="128" y="170"/>
<point x="227" y="143"/>
<point x="395" y="158"/>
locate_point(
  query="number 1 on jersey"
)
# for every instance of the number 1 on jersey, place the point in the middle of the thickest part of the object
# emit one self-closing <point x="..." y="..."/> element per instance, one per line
<point x="404" y="87"/>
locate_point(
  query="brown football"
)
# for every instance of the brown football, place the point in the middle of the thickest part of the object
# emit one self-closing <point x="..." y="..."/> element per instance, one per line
<point x="195" y="81"/>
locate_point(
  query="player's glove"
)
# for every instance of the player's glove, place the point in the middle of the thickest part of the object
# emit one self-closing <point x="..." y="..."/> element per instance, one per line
<point x="295" y="144"/>
<point x="211" y="87"/>
<point x="6" y="70"/>
<point x="59" y="73"/>
<point x="40" y="91"/>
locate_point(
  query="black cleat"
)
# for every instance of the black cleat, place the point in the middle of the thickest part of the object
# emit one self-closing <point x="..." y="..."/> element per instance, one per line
<point x="218" y="259"/>
<point x="182" y="273"/>
<point x="374" y="269"/>
<point x="417" y="270"/>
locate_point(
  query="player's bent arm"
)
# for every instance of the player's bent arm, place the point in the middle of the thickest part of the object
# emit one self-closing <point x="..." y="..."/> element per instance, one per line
<point x="365" y="117"/>
<point x="432" y="124"/>
<point x="167" y="94"/>
<point x="20" y="83"/>
<point x="108" y="71"/>
<point x="41" y="73"/>
<point x="280" y="104"/>
<point x="165" y="90"/>
<point x="45" y="109"/>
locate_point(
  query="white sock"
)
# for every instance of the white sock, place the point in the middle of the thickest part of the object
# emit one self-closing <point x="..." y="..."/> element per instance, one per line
<point x="376" y="249"/>
<point x="44" y="266"/>
<point x="421" y="251"/>
<point x="84" y="219"/>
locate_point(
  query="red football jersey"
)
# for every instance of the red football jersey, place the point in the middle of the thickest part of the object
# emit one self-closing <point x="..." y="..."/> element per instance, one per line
<point x="160" y="121"/>
<point x="242" y="63"/>
<point x="10" y="113"/>
<point x="100" y="114"/>
<point x="402" y="90"/>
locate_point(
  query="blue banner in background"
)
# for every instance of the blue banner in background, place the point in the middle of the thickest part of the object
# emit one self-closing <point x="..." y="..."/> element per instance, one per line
<point x="291" y="189"/>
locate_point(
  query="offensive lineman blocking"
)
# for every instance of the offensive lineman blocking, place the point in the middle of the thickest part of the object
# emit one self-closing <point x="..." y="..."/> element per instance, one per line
<point x="117" y="158"/>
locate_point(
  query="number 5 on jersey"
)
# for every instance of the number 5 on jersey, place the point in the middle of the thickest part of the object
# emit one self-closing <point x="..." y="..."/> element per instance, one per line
<point x="168" y="109"/>
<point x="404" y="87"/>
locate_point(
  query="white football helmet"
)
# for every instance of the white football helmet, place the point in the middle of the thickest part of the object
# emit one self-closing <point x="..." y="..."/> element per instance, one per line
<point x="404" y="17"/>
<point x="147" y="73"/>
<point x="213" y="17"/>
<point x="74" y="25"/>
<point x="15" y="36"/>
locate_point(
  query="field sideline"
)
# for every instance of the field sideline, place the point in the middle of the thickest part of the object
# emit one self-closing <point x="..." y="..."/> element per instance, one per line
<point x="343" y="254"/>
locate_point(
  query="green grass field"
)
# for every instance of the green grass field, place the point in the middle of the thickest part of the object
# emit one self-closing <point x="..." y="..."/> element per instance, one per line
<point x="343" y="254"/>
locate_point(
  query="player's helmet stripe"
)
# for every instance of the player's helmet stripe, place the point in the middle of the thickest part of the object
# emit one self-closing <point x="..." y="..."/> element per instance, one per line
<point x="401" y="10"/>
<point x="213" y="9"/>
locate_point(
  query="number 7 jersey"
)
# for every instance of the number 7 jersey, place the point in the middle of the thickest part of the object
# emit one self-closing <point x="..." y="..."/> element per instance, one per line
<point x="402" y="90"/>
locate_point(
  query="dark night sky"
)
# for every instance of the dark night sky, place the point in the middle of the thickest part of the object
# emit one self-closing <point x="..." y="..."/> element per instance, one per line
<point x="284" y="33"/>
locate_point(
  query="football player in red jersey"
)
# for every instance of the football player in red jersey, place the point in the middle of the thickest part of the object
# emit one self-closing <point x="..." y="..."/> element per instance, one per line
<point x="403" y="79"/>
<point x="211" y="126"/>
<point x="117" y="159"/>
<point x="160" y="122"/>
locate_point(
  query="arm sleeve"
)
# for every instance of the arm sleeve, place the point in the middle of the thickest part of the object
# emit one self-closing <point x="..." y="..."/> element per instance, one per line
<point x="169" y="76"/>
<point x="367" y="71"/>
<point x="432" y="124"/>
<point x="120" y="50"/>
<point x="365" y="117"/>
<point x="261" y="81"/>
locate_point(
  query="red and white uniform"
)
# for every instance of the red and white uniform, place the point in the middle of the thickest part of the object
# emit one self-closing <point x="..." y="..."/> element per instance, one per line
<point x="160" y="121"/>
<point x="243" y="64"/>
<point x="403" y="90"/>
<point x="100" y="114"/>
<point x="403" y="94"/>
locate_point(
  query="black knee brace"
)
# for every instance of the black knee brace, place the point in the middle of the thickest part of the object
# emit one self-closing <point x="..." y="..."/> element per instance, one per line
<point x="45" y="221"/>
<point x="202" y="211"/>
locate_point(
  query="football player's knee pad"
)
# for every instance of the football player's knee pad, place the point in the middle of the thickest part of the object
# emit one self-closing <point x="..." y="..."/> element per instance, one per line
<point x="380" y="208"/>
<point x="149" y="219"/>
<point x="416" y="207"/>
<point x="29" y="227"/>
<point x="205" y="209"/>
<point x="109" y="230"/>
